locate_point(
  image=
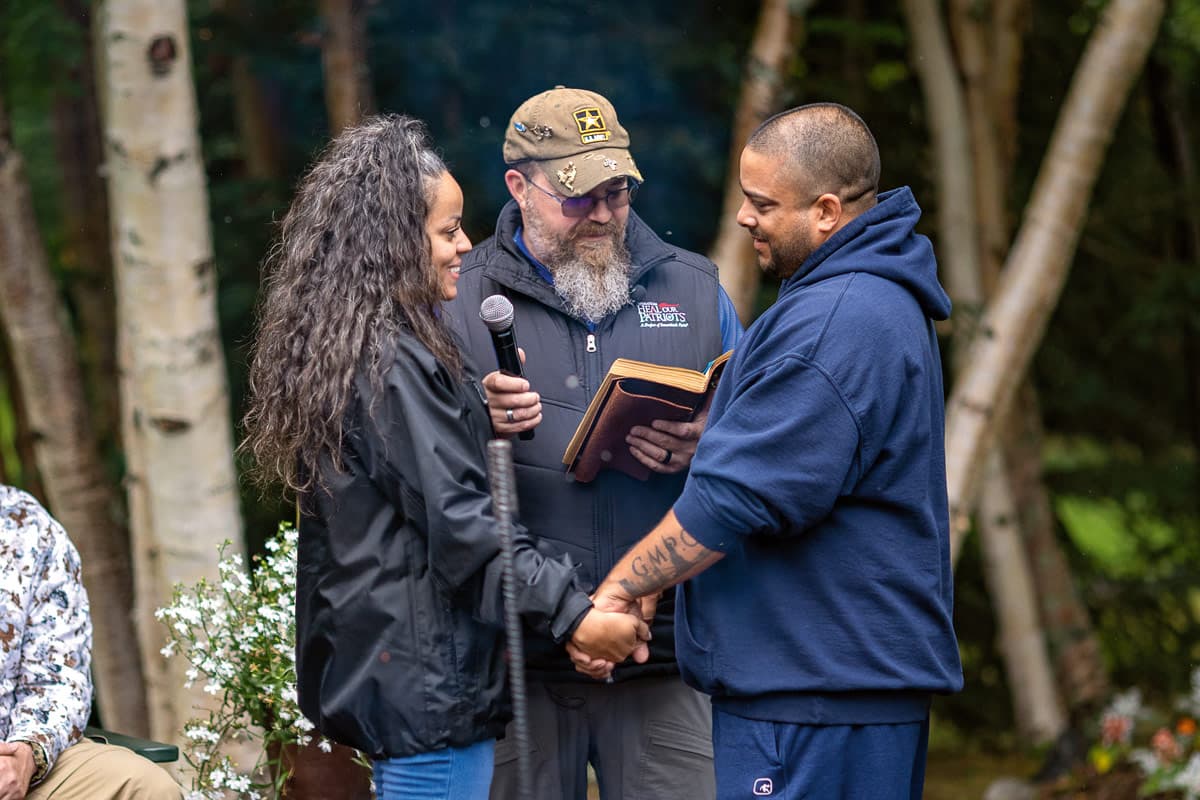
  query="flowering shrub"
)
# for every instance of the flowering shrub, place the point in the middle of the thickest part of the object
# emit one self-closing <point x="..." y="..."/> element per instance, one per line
<point x="1169" y="759"/>
<point x="238" y="637"/>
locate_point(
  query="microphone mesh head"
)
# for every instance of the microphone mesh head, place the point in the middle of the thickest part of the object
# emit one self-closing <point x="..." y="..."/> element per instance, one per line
<point x="496" y="312"/>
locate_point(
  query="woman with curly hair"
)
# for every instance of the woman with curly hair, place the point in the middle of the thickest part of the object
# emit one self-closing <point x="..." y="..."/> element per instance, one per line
<point x="363" y="405"/>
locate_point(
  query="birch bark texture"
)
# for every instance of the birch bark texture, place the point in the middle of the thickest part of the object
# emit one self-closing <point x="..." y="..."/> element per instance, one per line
<point x="181" y="483"/>
<point x="772" y="51"/>
<point x="1037" y="266"/>
<point x="988" y="39"/>
<point x="79" y="493"/>
<point x="1037" y="705"/>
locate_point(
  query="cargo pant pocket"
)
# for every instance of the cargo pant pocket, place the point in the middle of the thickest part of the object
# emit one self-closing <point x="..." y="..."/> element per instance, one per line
<point x="677" y="763"/>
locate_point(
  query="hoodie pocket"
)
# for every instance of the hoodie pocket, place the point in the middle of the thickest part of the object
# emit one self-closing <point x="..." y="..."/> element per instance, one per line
<point x="695" y="659"/>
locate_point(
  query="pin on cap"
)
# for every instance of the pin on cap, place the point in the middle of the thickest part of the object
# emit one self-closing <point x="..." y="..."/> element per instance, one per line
<point x="574" y="136"/>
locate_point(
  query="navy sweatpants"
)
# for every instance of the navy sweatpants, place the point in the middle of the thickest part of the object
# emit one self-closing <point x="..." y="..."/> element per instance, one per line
<point x="785" y="761"/>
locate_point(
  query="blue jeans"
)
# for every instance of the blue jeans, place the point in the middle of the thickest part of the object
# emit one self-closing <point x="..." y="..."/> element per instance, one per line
<point x="450" y="774"/>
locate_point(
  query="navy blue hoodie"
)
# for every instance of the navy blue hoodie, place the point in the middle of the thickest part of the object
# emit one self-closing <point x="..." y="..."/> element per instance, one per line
<point x="821" y="476"/>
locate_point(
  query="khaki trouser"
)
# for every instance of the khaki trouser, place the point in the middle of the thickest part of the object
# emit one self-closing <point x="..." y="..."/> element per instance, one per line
<point x="88" y="770"/>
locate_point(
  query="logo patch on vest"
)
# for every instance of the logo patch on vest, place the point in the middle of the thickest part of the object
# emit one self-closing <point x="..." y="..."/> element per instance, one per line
<point x="661" y="315"/>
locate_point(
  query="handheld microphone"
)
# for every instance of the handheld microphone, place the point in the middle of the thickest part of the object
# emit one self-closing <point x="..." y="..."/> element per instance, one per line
<point x="497" y="314"/>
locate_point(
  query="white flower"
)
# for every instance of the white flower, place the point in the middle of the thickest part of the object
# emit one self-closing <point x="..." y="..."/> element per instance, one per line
<point x="238" y="638"/>
<point x="1127" y="704"/>
<point x="1144" y="760"/>
<point x="201" y="733"/>
<point x="1188" y="778"/>
<point x="1193" y="700"/>
<point x="239" y="783"/>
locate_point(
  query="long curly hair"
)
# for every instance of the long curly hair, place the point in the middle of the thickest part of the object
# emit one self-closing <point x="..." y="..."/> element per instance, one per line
<point x="351" y="267"/>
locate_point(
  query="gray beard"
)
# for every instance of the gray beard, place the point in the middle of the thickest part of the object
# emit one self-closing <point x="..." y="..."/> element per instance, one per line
<point x="591" y="290"/>
<point x="593" y="281"/>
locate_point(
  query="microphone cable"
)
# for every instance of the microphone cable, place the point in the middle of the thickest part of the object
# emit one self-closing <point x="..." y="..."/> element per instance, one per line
<point x="504" y="508"/>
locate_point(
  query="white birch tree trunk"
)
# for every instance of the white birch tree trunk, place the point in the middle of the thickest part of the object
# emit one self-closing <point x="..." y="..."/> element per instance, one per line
<point x="1041" y="256"/>
<point x="947" y="114"/>
<point x="1037" y="704"/>
<point x="176" y="422"/>
<point x="1038" y="708"/>
<point x="771" y="51"/>
<point x="79" y="493"/>
<point x="988" y="42"/>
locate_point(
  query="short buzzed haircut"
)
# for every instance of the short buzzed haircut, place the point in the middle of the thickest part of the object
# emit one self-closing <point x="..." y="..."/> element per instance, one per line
<point x="828" y="144"/>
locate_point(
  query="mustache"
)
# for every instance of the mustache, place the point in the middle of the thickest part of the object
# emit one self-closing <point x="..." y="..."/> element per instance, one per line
<point x="589" y="228"/>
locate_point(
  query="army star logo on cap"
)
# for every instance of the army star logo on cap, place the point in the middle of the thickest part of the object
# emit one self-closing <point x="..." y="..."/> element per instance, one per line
<point x="591" y="125"/>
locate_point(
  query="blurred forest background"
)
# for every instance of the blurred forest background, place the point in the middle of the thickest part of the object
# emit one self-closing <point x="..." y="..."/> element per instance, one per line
<point x="1115" y="425"/>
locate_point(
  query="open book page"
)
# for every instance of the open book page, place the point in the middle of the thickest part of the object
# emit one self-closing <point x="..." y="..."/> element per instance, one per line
<point x="635" y="393"/>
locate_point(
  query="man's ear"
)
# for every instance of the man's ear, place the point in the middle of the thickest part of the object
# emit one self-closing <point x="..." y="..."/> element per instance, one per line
<point x="515" y="182"/>
<point x="829" y="213"/>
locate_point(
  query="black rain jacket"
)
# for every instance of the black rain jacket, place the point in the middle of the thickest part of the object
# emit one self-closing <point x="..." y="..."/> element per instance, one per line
<point x="399" y="647"/>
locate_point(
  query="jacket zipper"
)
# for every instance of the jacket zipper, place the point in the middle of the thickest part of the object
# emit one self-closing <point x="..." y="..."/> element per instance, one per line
<point x="602" y="525"/>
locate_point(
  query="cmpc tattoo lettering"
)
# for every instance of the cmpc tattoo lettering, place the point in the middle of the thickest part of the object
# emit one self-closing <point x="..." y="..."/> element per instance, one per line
<point x="663" y="564"/>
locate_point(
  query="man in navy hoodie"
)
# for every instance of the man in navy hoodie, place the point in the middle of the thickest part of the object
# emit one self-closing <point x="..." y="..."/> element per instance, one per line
<point x="814" y="525"/>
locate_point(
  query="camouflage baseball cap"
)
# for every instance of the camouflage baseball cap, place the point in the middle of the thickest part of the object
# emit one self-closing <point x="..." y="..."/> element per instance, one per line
<point x="574" y="136"/>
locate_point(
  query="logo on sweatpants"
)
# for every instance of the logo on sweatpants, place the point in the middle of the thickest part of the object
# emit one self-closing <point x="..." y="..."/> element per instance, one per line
<point x="763" y="787"/>
<point x="661" y="315"/>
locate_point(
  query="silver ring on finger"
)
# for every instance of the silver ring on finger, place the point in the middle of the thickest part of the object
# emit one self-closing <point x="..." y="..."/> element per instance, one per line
<point x="508" y="415"/>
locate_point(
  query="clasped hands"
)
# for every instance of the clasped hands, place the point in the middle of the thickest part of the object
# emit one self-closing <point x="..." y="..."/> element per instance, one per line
<point x="617" y="628"/>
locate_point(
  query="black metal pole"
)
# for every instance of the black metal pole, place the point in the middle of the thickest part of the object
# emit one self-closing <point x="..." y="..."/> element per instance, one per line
<point x="504" y="507"/>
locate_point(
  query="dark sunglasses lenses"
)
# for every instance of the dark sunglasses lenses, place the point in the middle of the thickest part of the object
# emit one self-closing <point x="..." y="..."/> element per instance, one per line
<point x="582" y="206"/>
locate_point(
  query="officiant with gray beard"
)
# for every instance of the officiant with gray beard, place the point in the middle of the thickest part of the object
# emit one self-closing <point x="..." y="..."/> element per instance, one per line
<point x="590" y="283"/>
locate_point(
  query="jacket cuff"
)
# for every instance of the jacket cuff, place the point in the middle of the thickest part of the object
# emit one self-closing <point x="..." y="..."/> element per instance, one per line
<point x="41" y="760"/>
<point x="576" y="605"/>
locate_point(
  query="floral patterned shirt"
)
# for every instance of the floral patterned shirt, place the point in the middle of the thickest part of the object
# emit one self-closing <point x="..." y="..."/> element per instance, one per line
<point x="45" y="629"/>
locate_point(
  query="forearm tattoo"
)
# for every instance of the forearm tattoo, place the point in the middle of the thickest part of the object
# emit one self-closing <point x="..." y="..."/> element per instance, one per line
<point x="664" y="561"/>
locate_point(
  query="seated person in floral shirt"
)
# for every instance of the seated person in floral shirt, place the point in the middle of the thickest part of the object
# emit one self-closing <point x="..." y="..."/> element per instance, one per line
<point x="45" y="685"/>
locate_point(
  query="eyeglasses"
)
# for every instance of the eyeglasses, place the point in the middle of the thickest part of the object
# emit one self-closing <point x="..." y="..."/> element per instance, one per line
<point x="575" y="207"/>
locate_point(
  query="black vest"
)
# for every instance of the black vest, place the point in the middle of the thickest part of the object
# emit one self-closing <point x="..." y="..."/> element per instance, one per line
<point x="673" y="320"/>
